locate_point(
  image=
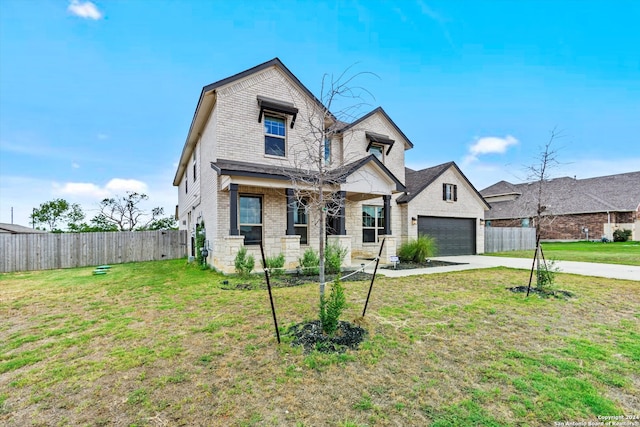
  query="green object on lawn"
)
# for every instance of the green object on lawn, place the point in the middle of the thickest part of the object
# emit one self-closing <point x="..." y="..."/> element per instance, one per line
<point x="103" y="267"/>
<point x="98" y="272"/>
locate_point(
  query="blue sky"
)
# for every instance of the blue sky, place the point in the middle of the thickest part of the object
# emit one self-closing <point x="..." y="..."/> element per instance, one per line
<point x="96" y="98"/>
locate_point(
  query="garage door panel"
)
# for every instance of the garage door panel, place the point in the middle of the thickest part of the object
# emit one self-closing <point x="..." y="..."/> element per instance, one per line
<point x="454" y="236"/>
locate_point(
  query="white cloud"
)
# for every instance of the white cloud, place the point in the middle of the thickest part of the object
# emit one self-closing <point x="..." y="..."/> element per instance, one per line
<point x="489" y="145"/>
<point x="86" y="10"/>
<point x="118" y="185"/>
<point x="75" y="165"/>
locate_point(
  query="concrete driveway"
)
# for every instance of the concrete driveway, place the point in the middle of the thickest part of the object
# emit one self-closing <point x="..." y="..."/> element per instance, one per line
<point x="470" y="262"/>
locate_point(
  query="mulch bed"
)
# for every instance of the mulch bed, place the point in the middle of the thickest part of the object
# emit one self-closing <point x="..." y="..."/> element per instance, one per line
<point x="545" y="293"/>
<point x="289" y="280"/>
<point x="428" y="264"/>
<point x="310" y="336"/>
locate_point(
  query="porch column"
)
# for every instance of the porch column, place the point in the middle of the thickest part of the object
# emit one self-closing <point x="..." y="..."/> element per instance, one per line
<point x="387" y="214"/>
<point x="342" y="214"/>
<point x="233" y="210"/>
<point x="290" y="205"/>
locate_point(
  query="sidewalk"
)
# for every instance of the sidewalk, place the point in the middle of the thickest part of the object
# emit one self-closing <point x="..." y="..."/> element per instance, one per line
<point x="471" y="262"/>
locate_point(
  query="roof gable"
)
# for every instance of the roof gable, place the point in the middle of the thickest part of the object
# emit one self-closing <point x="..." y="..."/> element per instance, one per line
<point x="207" y="101"/>
<point x="379" y="111"/>
<point x="418" y="181"/>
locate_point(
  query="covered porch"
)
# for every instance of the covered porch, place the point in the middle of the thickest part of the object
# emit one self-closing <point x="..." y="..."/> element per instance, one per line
<point x="264" y="207"/>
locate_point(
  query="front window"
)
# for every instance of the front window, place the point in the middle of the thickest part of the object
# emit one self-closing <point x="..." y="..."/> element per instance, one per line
<point x="377" y="151"/>
<point x="525" y="222"/>
<point x="274" y="136"/>
<point x="301" y="221"/>
<point x="251" y="219"/>
<point x="372" y="223"/>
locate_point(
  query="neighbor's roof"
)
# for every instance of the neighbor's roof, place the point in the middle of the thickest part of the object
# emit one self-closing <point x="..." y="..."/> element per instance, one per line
<point x="564" y="196"/>
<point x="417" y="181"/>
<point x="18" y="229"/>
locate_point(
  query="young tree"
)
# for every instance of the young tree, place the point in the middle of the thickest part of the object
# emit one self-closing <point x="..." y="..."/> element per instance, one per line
<point x="314" y="178"/>
<point x="53" y="212"/>
<point x="540" y="173"/>
<point x="125" y="212"/>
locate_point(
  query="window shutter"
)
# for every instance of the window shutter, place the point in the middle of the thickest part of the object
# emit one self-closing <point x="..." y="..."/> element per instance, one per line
<point x="455" y="193"/>
<point x="444" y="191"/>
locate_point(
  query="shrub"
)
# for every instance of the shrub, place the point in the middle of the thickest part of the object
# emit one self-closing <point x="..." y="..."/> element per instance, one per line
<point x="418" y="250"/>
<point x="621" y="235"/>
<point x="275" y="264"/>
<point x="310" y="262"/>
<point x="334" y="255"/>
<point x="244" y="263"/>
<point x="201" y="237"/>
<point x="331" y="308"/>
<point x="546" y="274"/>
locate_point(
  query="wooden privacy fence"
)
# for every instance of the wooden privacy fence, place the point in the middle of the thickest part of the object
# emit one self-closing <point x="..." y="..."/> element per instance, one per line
<point x="24" y="252"/>
<point x="499" y="239"/>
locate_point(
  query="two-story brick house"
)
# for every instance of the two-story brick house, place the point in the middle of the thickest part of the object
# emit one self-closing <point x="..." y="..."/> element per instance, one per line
<point x="254" y="146"/>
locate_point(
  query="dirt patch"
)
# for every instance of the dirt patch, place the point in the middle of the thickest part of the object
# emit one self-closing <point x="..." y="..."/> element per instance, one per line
<point x="546" y="293"/>
<point x="413" y="265"/>
<point x="310" y="336"/>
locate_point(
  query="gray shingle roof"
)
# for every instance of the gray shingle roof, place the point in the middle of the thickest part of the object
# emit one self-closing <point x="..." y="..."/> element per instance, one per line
<point x="337" y="176"/>
<point x="563" y="196"/>
<point x="18" y="229"/>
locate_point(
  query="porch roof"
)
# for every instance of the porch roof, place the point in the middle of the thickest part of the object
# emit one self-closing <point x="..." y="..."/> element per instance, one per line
<point x="335" y="176"/>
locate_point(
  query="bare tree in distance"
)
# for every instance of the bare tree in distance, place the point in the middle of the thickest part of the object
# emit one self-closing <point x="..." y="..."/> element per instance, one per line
<point x="125" y="211"/>
<point x="314" y="177"/>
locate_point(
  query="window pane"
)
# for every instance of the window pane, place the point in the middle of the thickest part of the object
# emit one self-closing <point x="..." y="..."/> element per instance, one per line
<point x="376" y="151"/>
<point x="250" y="210"/>
<point x="274" y="146"/>
<point x="368" y="216"/>
<point x="252" y="234"/>
<point x="300" y="213"/>
<point x="327" y="151"/>
<point x="380" y="217"/>
<point x="302" y="232"/>
<point x="274" y="126"/>
<point x="368" y="235"/>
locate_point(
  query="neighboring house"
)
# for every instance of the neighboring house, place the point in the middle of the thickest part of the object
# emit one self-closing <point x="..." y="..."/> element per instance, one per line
<point x="249" y="137"/>
<point x="571" y="207"/>
<point x="441" y="202"/>
<point x="18" y="229"/>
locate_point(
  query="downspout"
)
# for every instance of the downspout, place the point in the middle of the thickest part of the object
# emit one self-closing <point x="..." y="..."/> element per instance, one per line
<point x="610" y="235"/>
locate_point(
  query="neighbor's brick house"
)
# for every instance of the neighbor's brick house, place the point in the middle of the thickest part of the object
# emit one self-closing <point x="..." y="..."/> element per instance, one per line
<point x="249" y="137"/>
<point x="571" y="206"/>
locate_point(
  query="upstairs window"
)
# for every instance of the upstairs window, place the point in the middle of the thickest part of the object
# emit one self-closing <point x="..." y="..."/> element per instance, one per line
<point x="186" y="182"/>
<point x="274" y="136"/>
<point x="195" y="169"/>
<point x="450" y="192"/>
<point x="327" y="151"/>
<point x="377" y="151"/>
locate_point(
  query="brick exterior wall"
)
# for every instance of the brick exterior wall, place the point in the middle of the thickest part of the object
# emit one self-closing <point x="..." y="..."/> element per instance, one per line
<point x="569" y="227"/>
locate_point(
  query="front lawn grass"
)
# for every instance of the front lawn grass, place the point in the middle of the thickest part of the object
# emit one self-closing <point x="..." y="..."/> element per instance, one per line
<point x="161" y="343"/>
<point x="627" y="253"/>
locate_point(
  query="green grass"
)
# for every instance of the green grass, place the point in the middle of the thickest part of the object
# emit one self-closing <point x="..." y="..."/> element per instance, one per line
<point x="162" y="343"/>
<point x="627" y="253"/>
